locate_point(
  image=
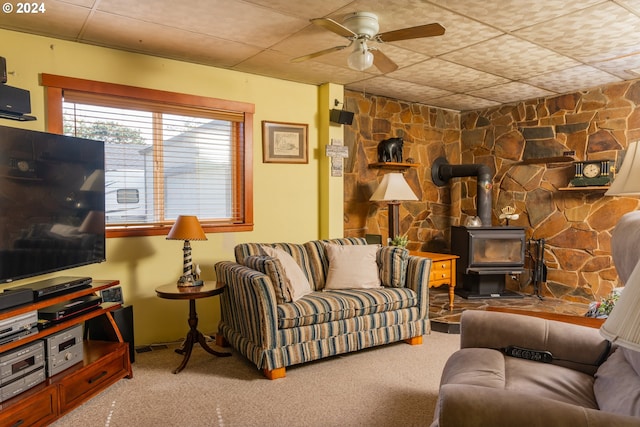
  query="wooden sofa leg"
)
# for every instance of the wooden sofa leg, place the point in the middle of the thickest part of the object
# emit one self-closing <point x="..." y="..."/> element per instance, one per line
<point x="274" y="374"/>
<point x="414" y="340"/>
<point x="221" y="341"/>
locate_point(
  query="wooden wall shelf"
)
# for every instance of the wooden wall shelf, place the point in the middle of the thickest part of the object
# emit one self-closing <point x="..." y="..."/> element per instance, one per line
<point x="541" y="160"/>
<point x="393" y="165"/>
<point x="587" y="188"/>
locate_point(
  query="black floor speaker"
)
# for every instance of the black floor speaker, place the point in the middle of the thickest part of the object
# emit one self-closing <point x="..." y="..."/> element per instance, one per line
<point x="123" y="317"/>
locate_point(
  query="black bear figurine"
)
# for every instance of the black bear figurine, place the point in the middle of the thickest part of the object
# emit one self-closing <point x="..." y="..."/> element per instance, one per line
<point x="391" y="148"/>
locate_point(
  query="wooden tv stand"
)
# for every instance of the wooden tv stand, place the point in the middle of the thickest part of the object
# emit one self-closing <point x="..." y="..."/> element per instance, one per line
<point x="105" y="363"/>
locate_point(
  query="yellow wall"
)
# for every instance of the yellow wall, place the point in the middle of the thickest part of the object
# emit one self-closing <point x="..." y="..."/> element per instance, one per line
<point x="286" y="197"/>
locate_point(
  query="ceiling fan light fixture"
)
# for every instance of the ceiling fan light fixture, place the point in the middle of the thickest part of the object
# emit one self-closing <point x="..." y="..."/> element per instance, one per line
<point x="361" y="58"/>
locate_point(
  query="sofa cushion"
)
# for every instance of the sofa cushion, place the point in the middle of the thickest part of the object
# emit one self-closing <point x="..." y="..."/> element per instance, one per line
<point x="317" y="258"/>
<point x="272" y="268"/>
<point x="327" y="306"/>
<point x="490" y="368"/>
<point x="617" y="383"/>
<point x="392" y="262"/>
<point x="294" y="279"/>
<point x="352" y="267"/>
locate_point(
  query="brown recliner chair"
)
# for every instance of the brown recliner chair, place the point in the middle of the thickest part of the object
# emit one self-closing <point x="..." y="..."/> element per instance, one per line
<point x="575" y="379"/>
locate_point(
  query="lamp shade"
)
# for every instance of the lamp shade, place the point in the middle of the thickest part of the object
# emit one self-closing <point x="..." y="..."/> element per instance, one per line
<point x="627" y="180"/>
<point x="622" y="327"/>
<point x="186" y="227"/>
<point x="393" y="187"/>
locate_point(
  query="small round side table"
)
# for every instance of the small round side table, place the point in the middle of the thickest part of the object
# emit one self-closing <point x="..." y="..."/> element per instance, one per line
<point x="192" y="293"/>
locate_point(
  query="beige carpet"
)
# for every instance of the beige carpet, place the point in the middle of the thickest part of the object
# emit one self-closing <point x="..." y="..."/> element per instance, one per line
<point x="395" y="384"/>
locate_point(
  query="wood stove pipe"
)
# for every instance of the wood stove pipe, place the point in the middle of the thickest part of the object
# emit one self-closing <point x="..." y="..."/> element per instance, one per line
<point x="442" y="171"/>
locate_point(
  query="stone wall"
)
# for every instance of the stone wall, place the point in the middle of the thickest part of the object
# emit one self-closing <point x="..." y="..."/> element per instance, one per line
<point x="576" y="225"/>
<point x="428" y="133"/>
<point x="516" y="142"/>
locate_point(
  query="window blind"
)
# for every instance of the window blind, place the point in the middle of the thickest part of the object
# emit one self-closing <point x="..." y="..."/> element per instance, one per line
<point x="162" y="161"/>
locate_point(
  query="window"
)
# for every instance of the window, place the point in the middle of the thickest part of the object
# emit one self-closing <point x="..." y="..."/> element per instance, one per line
<point x="166" y="154"/>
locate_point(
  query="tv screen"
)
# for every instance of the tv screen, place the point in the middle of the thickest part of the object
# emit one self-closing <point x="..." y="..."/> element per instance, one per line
<point x="51" y="203"/>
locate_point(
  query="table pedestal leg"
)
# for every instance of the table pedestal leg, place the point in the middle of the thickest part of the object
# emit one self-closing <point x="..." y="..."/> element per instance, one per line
<point x="194" y="336"/>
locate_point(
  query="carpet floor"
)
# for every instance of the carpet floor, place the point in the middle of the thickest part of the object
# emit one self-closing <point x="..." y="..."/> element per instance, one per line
<point x="394" y="384"/>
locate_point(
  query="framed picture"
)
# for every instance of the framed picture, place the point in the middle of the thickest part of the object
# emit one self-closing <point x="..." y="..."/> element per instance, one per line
<point x="284" y="142"/>
<point x="112" y="295"/>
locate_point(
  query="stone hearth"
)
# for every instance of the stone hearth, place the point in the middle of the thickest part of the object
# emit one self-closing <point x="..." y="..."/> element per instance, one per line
<point x="444" y="320"/>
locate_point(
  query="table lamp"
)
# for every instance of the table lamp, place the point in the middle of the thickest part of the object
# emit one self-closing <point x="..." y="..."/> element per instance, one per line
<point x="627" y="180"/>
<point x="187" y="227"/>
<point x="393" y="188"/>
<point x="622" y="327"/>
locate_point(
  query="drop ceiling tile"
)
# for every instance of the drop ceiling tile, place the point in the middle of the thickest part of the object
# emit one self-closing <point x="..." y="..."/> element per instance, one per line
<point x="154" y="39"/>
<point x="460" y="32"/>
<point x="510" y="57"/>
<point x="398" y="89"/>
<point x="304" y="9"/>
<point x="60" y="20"/>
<point x="572" y="79"/>
<point x="511" y="92"/>
<point x="84" y="3"/>
<point x="225" y="19"/>
<point x="275" y="64"/>
<point x="461" y="102"/>
<point x="621" y="67"/>
<point x="598" y="33"/>
<point x="510" y="15"/>
<point x="447" y="75"/>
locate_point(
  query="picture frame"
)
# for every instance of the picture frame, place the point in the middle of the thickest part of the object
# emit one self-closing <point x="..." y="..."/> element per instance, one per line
<point x="285" y="142"/>
<point x="113" y="294"/>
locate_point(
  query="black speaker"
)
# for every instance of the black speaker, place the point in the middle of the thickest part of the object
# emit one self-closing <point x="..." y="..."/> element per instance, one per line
<point x="341" y="117"/>
<point x="3" y="70"/>
<point x="123" y="317"/>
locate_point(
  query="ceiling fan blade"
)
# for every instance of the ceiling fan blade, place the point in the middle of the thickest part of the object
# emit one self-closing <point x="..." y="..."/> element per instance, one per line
<point x="316" y="54"/>
<point x="428" y="30"/>
<point x="383" y="62"/>
<point x="332" y="25"/>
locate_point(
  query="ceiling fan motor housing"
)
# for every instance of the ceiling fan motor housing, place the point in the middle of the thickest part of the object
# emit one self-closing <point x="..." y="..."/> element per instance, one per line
<point x="362" y="23"/>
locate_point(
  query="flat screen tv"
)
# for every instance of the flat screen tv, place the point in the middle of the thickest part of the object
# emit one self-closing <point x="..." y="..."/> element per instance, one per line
<point x="51" y="203"/>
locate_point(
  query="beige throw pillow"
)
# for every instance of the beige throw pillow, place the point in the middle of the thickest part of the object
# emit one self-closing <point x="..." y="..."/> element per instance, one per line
<point x="352" y="267"/>
<point x="295" y="279"/>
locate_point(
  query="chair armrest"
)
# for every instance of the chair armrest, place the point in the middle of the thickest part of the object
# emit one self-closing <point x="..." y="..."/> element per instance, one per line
<point x="464" y="405"/>
<point x="248" y="304"/>
<point x="572" y="346"/>
<point x="418" y="271"/>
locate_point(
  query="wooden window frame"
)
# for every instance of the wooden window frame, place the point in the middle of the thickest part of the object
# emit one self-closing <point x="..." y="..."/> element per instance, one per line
<point x="56" y="85"/>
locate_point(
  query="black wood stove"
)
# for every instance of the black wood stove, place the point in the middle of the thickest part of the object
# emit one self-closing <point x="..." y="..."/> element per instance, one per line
<point x="487" y="256"/>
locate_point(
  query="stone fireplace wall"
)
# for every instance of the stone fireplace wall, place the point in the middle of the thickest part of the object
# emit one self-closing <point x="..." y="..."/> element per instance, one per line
<point x="428" y="133"/>
<point x="520" y="143"/>
<point x="516" y="142"/>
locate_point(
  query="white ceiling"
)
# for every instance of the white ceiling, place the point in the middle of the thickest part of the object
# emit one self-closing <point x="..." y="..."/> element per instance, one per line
<point x="493" y="52"/>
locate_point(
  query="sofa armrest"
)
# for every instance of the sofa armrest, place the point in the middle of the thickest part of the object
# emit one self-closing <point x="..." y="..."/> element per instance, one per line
<point x="248" y="303"/>
<point x="418" y="271"/>
<point x="464" y="405"/>
<point x="573" y="346"/>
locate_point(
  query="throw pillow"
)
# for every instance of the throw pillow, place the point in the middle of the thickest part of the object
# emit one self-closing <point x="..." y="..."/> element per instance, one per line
<point x="297" y="283"/>
<point x="352" y="267"/>
<point x="272" y="267"/>
<point x="617" y="385"/>
<point x="393" y="262"/>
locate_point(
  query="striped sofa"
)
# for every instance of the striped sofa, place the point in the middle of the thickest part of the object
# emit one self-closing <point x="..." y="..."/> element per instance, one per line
<point x="324" y="323"/>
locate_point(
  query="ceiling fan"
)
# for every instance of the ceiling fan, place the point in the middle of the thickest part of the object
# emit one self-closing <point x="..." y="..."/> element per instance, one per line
<point x="362" y="27"/>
